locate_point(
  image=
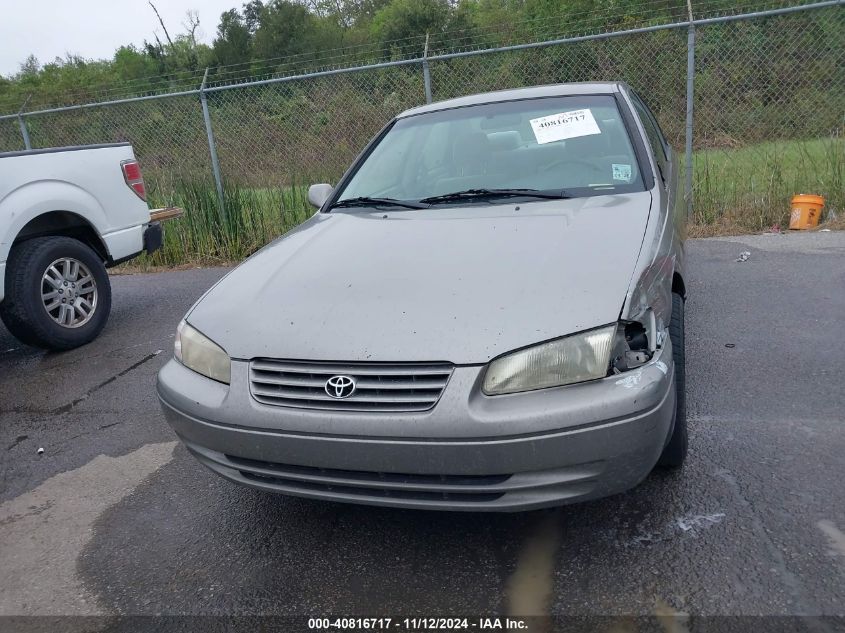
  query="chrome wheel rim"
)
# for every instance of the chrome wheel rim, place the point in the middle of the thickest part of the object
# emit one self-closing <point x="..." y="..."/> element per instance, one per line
<point x="69" y="292"/>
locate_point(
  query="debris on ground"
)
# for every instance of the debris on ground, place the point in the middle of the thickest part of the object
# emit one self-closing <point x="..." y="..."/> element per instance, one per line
<point x="685" y="524"/>
<point x="743" y="256"/>
<point x="824" y="230"/>
<point x="40" y="450"/>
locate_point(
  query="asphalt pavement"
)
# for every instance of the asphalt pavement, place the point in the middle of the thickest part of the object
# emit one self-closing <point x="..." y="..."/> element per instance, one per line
<point x="114" y="517"/>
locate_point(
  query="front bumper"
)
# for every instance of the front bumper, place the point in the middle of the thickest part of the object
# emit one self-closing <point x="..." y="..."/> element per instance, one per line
<point x="471" y="452"/>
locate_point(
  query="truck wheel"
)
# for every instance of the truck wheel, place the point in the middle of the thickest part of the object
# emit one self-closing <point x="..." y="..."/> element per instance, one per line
<point x="676" y="450"/>
<point x="58" y="294"/>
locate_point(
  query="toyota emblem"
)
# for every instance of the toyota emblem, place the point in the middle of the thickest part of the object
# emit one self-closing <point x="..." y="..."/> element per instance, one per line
<point x="340" y="386"/>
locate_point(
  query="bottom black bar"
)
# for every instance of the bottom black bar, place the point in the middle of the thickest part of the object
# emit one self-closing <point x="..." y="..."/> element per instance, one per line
<point x="426" y="623"/>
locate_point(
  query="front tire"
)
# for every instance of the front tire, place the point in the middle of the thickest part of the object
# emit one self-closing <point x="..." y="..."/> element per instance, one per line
<point x="58" y="294"/>
<point x="675" y="452"/>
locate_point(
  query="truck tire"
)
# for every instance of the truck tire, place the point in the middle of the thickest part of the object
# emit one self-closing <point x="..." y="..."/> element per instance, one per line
<point x="58" y="294"/>
<point x="675" y="451"/>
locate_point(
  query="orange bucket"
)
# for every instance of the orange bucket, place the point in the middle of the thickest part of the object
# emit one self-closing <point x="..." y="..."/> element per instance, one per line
<point x="806" y="211"/>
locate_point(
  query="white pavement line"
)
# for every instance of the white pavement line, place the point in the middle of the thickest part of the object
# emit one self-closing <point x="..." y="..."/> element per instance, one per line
<point x="834" y="536"/>
<point x="43" y="532"/>
<point x="529" y="589"/>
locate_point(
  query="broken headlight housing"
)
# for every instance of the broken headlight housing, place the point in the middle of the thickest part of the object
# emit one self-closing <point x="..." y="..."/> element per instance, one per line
<point x="631" y="347"/>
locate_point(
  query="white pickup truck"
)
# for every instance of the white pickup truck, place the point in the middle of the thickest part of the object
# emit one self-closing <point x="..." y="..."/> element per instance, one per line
<point x="66" y="214"/>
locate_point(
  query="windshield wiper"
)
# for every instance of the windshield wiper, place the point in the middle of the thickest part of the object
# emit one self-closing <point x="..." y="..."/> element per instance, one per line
<point x="365" y="201"/>
<point x="488" y="194"/>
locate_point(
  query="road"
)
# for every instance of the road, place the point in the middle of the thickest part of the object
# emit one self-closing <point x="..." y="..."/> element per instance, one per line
<point x="116" y="518"/>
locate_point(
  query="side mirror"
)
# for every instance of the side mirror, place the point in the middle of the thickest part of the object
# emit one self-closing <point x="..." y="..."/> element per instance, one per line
<point x="318" y="194"/>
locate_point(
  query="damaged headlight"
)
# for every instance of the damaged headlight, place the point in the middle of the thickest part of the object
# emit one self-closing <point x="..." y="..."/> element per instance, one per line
<point x="198" y="352"/>
<point x="611" y="349"/>
<point x="632" y="347"/>
<point x="576" y="358"/>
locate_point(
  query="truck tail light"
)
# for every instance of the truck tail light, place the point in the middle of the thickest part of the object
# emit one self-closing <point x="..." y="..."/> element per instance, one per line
<point x="132" y="176"/>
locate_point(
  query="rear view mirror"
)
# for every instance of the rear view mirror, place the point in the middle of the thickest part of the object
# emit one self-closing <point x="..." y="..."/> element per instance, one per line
<point x="318" y="194"/>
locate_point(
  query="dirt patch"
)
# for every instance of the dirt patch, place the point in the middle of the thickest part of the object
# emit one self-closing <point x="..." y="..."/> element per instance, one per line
<point x="139" y="269"/>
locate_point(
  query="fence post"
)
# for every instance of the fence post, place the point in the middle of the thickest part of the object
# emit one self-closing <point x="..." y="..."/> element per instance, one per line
<point x="212" y="149"/>
<point x="24" y="132"/>
<point x="426" y="72"/>
<point x="22" y="124"/>
<point x="690" y="108"/>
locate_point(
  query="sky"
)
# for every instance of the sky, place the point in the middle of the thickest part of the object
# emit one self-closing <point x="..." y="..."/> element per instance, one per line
<point x="93" y="29"/>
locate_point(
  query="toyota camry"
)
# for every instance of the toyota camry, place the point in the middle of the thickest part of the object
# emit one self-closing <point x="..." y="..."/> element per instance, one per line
<point x="486" y="312"/>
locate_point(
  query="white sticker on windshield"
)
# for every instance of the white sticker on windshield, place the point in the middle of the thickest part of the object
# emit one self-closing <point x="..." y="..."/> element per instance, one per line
<point x="558" y="127"/>
<point x="622" y="172"/>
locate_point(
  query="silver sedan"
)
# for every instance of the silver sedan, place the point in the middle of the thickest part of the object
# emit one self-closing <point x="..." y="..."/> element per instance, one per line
<point x="486" y="313"/>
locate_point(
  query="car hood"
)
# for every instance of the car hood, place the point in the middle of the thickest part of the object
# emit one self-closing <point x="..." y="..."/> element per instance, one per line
<point x="461" y="284"/>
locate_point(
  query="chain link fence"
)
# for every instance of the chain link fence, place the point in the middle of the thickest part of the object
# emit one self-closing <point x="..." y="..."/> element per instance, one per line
<point x="307" y="130"/>
<point x="168" y="135"/>
<point x="10" y="135"/>
<point x="653" y="63"/>
<point x="768" y="117"/>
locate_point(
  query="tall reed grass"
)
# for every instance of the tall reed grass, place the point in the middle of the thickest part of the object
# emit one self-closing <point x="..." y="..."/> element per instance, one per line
<point x="202" y="236"/>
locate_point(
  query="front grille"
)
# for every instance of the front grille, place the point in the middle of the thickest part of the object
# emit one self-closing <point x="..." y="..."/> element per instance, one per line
<point x="415" y="487"/>
<point x="388" y="387"/>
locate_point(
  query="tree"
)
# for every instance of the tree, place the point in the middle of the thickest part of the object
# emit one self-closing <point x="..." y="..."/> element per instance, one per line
<point x="191" y="24"/>
<point x="284" y="29"/>
<point x="345" y="13"/>
<point x="180" y="53"/>
<point x="252" y="15"/>
<point x="233" y="44"/>
<point x="404" y="19"/>
<point x="160" y="21"/>
<point x="130" y="63"/>
<point x="30" y="66"/>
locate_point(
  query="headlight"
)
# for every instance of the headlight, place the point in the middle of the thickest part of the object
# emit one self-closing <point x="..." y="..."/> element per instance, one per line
<point x="576" y="358"/>
<point x="198" y="352"/>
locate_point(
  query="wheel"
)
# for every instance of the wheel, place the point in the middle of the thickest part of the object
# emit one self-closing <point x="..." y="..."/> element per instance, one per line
<point x="675" y="452"/>
<point x="58" y="294"/>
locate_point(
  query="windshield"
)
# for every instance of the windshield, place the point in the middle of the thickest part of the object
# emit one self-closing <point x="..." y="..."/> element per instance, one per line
<point x="576" y="146"/>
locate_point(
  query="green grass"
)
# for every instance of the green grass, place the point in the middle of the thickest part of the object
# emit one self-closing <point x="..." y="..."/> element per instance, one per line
<point x="751" y="187"/>
<point x="744" y="189"/>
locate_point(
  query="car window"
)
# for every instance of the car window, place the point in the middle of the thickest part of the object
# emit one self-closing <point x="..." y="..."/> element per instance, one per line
<point x="577" y="144"/>
<point x="652" y="130"/>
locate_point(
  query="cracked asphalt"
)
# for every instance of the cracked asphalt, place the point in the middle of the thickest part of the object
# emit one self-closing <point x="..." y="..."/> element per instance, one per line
<point x="115" y="518"/>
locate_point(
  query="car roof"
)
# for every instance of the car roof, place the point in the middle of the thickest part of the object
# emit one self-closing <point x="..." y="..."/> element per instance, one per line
<point x="533" y="92"/>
